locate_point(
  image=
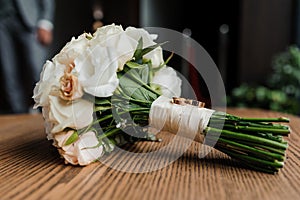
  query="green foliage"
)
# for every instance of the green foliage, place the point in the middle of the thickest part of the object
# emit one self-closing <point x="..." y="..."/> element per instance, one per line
<point x="73" y="138"/>
<point x="286" y="76"/>
<point x="128" y="109"/>
<point x="280" y="93"/>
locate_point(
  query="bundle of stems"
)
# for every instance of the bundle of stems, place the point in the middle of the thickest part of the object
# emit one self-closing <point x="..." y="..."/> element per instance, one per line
<point x="257" y="143"/>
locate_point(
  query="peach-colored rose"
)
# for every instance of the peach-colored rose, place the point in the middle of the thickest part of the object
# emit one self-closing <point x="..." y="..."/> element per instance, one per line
<point x="85" y="150"/>
<point x="70" y="88"/>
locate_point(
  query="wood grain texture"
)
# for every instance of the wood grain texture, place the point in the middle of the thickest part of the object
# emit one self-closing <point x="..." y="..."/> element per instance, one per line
<point x="30" y="168"/>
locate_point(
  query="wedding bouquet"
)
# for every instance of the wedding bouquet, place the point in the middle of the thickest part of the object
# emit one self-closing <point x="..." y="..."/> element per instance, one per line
<point x="108" y="88"/>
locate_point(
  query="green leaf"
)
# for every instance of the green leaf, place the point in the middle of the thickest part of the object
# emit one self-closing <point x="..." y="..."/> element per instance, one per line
<point x="150" y="48"/>
<point x="139" y="70"/>
<point x="133" y="65"/>
<point x="132" y="85"/>
<point x="102" y="101"/>
<point x="168" y="59"/>
<point x="138" y="52"/>
<point x="73" y="138"/>
<point x="144" y="73"/>
<point x="102" y="108"/>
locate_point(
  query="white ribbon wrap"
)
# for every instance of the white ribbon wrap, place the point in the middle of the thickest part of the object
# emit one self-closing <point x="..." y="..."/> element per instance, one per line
<point x="188" y="119"/>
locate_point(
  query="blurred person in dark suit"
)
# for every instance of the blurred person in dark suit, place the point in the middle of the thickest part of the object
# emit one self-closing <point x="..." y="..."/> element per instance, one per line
<point x="25" y="32"/>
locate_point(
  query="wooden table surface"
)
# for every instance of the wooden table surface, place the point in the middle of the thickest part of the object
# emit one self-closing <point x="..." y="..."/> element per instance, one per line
<point x="30" y="168"/>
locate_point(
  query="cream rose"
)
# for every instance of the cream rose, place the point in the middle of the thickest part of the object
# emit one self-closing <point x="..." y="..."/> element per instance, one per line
<point x="83" y="151"/>
<point x="97" y="71"/>
<point x="62" y="65"/>
<point x="69" y="114"/>
<point x="168" y="81"/>
<point x="92" y="64"/>
<point x="49" y="78"/>
<point x="124" y="43"/>
<point x="156" y="56"/>
<point x="73" y="49"/>
<point x="118" y="42"/>
<point x="70" y="88"/>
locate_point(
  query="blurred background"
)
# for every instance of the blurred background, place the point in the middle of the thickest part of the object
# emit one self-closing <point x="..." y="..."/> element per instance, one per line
<point x="253" y="43"/>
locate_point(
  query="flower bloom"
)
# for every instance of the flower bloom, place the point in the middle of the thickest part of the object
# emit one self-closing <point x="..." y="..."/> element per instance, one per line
<point x="115" y="38"/>
<point x="156" y="55"/>
<point x="124" y="43"/>
<point x="64" y="114"/>
<point x="49" y="79"/>
<point x="85" y="150"/>
<point x="97" y="71"/>
<point x="70" y="88"/>
<point x="168" y="81"/>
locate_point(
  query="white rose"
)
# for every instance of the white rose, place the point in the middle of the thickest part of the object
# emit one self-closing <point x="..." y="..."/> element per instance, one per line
<point x="53" y="72"/>
<point x="69" y="87"/>
<point x="97" y="71"/>
<point x="49" y="125"/>
<point x="73" y="114"/>
<point x="117" y="41"/>
<point x="73" y="49"/>
<point x="107" y="30"/>
<point x="49" y="77"/>
<point x="83" y="151"/>
<point x="156" y="55"/>
<point x="169" y="82"/>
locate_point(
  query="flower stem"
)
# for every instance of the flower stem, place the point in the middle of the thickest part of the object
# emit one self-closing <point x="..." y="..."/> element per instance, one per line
<point x="256" y="142"/>
<point x="244" y="137"/>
